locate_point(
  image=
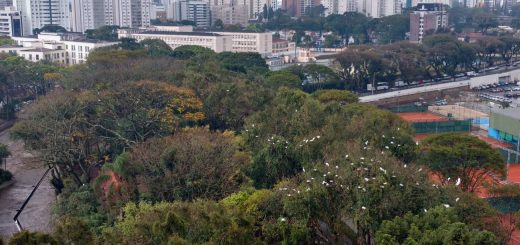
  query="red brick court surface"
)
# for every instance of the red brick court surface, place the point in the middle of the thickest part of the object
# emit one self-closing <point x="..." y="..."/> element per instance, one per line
<point x="421" y="117"/>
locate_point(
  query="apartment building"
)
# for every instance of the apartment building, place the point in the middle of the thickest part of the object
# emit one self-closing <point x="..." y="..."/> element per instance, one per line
<point x="10" y="22"/>
<point x="38" y="13"/>
<point x="427" y="17"/>
<point x="87" y="14"/>
<point x="230" y="14"/>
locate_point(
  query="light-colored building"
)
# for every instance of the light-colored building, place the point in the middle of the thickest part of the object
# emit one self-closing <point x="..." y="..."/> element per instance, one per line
<point x="78" y="50"/>
<point x="58" y="56"/>
<point x="38" y="13"/>
<point x="10" y="22"/>
<point x="127" y="13"/>
<point x="214" y="41"/>
<point x="157" y="11"/>
<point x="230" y="14"/>
<point x="87" y="14"/>
<point x="379" y="8"/>
<point x="281" y="46"/>
<point x="65" y="49"/>
<point x="171" y="28"/>
<point x="196" y="11"/>
<point x="261" y="43"/>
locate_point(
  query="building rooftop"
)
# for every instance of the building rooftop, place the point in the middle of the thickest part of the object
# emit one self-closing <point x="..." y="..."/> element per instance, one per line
<point x="40" y="50"/>
<point x="176" y="33"/>
<point x="89" y="41"/>
<point x="11" y="46"/>
<point x="513" y="112"/>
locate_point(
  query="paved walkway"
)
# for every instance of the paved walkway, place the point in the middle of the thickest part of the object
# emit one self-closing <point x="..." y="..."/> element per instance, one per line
<point x="27" y="170"/>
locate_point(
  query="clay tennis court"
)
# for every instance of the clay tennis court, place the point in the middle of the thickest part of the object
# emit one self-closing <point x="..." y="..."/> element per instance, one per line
<point x="457" y="112"/>
<point x="493" y="142"/>
<point x="421" y="117"/>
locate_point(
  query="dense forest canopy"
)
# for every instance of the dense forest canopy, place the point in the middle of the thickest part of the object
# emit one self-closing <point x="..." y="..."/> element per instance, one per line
<point x="153" y="146"/>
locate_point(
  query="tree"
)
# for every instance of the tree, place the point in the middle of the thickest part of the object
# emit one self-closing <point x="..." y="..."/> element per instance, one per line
<point x="190" y="51"/>
<point x="70" y="230"/>
<point x="219" y="24"/>
<point x="107" y="33"/>
<point x="32" y="238"/>
<point x="190" y="165"/>
<point x="243" y="62"/>
<point x="276" y="79"/>
<point x="4" y="151"/>
<point x="130" y="44"/>
<point x="156" y="47"/>
<point x="484" y="21"/>
<point x="49" y="28"/>
<point x="439" y="225"/>
<point x="339" y="96"/>
<point x="457" y="155"/>
<point x="392" y="28"/>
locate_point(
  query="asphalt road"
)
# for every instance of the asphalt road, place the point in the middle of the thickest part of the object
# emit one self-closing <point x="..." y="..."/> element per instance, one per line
<point x="27" y="170"/>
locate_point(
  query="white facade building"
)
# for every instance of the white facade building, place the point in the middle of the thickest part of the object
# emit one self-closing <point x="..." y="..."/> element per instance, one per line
<point x="216" y="42"/>
<point x="379" y="8"/>
<point x="65" y="49"/>
<point x="10" y="22"/>
<point x="261" y="43"/>
<point x="196" y="11"/>
<point x="127" y="13"/>
<point x="38" y="13"/>
<point x="230" y="14"/>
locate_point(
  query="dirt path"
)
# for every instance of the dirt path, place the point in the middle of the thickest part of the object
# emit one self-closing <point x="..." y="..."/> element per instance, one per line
<point x="27" y="170"/>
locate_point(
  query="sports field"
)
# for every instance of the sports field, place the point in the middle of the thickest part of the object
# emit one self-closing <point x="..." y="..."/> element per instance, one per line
<point x="457" y="112"/>
<point x="421" y="117"/>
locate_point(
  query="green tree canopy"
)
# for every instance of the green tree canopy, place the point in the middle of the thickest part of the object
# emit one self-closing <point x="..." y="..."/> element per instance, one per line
<point x="458" y="155"/>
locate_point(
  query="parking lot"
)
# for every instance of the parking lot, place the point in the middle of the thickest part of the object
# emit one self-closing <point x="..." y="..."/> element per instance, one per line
<point x="505" y="92"/>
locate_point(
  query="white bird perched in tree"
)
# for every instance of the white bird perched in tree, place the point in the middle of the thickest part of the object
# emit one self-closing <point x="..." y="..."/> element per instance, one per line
<point x="303" y="169"/>
<point x="327" y="164"/>
<point x="416" y="142"/>
<point x="458" y="182"/>
<point x="282" y="219"/>
<point x="366" y="179"/>
<point x="362" y="158"/>
<point x="366" y="142"/>
<point x="457" y="199"/>
<point x="446" y="205"/>
<point x="383" y="135"/>
<point x="405" y="166"/>
<point x="420" y="169"/>
<point x="363" y="207"/>
<point x="318" y="137"/>
<point x="308" y="181"/>
<point x="346" y="156"/>
<point x="401" y="185"/>
<point x="382" y="169"/>
<point x="387" y="147"/>
<point x="426" y="211"/>
<point x="337" y="167"/>
<point x="308" y="189"/>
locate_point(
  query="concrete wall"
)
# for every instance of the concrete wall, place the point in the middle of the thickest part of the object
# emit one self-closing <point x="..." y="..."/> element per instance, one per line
<point x="461" y="84"/>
